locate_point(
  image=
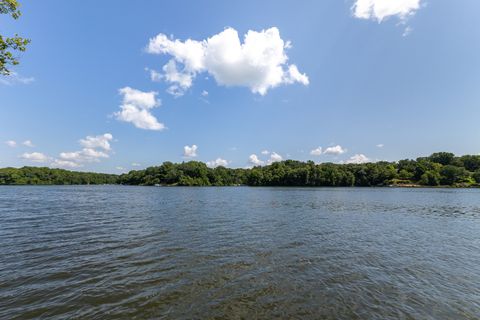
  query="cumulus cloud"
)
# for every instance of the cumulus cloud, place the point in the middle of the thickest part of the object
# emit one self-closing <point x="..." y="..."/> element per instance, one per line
<point x="256" y="161"/>
<point x="35" y="157"/>
<point x="259" y="63"/>
<point x="190" y="152"/>
<point x="336" y="150"/>
<point x="274" y="157"/>
<point x="253" y="159"/>
<point x="94" y="149"/>
<point x="136" y="109"/>
<point x="28" y="143"/>
<point x="316" y="152"/>
<point x="101" y="141"/>
<point x="11" y="143"/>
<point x="219" y="162"/>
<point x="381" y="9"/>
<point x="84" y="155"/>
<point x="358" y="158"/>
<point x="58" y="163"/>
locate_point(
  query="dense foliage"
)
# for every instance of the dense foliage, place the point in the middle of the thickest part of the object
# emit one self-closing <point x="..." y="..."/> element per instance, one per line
<point x="8" y="45"/>
<point x="438" y="169"/>
<point x="35" y="175"/>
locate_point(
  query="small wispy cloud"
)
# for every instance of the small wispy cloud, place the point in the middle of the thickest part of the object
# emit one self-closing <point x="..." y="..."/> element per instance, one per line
<point x="28" y="143"/>
<point x="11" y="143"/>
<point x="15" y="78"/>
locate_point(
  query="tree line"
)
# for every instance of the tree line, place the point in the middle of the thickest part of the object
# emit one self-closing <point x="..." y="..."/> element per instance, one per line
<point x="48" y="176"/>
<point x="438" y="169"/>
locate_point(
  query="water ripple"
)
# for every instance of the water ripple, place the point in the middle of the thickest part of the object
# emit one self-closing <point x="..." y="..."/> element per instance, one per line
<point x="113" y="252"/>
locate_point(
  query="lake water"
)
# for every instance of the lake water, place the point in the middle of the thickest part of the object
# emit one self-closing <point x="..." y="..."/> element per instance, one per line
<point x="117" y="252"/>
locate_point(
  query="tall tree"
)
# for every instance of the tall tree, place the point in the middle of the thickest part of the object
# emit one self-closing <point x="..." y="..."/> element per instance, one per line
<point x="8" y="45"/>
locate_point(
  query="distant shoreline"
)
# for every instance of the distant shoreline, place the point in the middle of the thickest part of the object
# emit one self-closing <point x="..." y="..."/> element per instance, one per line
<point x="441" y="169"/>
<point x="247" y="186"/>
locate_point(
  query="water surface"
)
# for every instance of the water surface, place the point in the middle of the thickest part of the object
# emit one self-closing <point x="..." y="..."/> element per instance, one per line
<point x="117" y="252"/>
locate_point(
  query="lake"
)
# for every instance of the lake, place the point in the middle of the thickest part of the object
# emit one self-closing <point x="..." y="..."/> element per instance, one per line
<point x="118" y="252"/>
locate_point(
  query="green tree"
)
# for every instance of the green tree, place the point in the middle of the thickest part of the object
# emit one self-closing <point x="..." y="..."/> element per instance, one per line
<point x="470" y="162"/>
<point x="8" y="45"/>
<point x="476" y="176"/>
<point x="451" y="175"/>
<point x="430" y="178"/>
<point x="444" y="158"/>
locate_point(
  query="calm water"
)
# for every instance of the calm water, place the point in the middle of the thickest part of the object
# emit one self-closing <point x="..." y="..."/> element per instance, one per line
<point x="113" y="252"/>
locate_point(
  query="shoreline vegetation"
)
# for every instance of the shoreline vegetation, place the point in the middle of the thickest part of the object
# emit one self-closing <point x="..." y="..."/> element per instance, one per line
<point x="441" y="169"/>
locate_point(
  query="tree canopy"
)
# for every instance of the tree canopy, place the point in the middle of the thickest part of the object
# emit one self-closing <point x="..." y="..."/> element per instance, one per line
<point x="8" y="45"/>
<point x="439" y="169"/>
<point x="48" y="176"/>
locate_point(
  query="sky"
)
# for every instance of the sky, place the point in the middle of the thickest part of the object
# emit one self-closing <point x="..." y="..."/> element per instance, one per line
<point x="108" y="86"/>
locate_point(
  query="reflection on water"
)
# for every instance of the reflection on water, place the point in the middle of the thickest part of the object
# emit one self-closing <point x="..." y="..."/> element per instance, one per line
<point x="110" y="252"/>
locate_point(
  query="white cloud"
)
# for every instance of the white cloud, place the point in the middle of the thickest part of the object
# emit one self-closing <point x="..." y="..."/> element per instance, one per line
<point x="253" y="159"/>
<point x="204" y="93"/>
<point x="84" y="155"/>
<point x="15" y="78"/>
<point x="316" y="152"/>
<point x="382" y="9"/>
<point x="57" y="163"/>
<point x="94" y="149"/>
<point x="294" y="75"/>
<point x="181" y="80"/>
<point x="11" y="143"/>
<point x="136" y="106"/>
<point x="259" y="63"/>
<point x="380" y="145"/>
<point x="219" y="162"/>
<point x="71" y="155"/>
<point x="274" y="157"/>
<point x="336" y="150"/>
<point x="190" y="152"/>
<point x="135" y="164"/>
<point x="93" y="154"/>
<point x="35" y="157"/>
<point x="101" y="141"/>
<point x="28" y="143"/>
<point x="358" y="158"/>
<point x="407" y="31"/>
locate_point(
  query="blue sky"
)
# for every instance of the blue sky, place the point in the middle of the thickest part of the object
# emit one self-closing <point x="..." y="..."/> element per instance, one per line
<point x="402" y="74"/>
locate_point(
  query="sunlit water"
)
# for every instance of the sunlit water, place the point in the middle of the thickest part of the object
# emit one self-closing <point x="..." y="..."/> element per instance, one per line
<point x="113" y="252"/>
